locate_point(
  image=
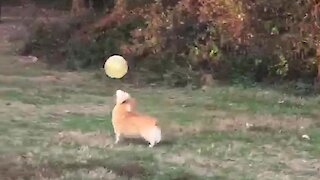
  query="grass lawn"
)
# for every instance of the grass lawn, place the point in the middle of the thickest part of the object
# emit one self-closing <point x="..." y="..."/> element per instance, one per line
<point x="57" y="125"/>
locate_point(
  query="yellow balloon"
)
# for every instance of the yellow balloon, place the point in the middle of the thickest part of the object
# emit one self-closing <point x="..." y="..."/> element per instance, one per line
<point x="116" y="66"/>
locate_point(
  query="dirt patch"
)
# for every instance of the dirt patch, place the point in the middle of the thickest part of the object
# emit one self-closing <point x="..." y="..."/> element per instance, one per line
<point x="131" y="170"/>
<point x="262" y="123"/>
<point x="301" y="166"/>
<point x="102" y="168"/>
<point x="88" y="139"/>
<point x="198" y="165"/>
<point x="77" y="108"/>
<point x="6" y="89"/>
<point x="202" y="166"/>
<point x="173" y="130"/>
<point x="267" y="175"/>
<point x="64" y="78"/>
<point x="259" y="123"/>
<point x="19" y="111"/>
<point x="19" y="167"/>
<point x="17" y="108"/>
<point x="96" y="173"/>
<point x="68" y="77"/>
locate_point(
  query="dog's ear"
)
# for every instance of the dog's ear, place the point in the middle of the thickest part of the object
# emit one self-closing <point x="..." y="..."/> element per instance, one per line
<point x="119" y="93"/>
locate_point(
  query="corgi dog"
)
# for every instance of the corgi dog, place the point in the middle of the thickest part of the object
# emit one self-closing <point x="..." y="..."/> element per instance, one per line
<point x="128" y="123"/>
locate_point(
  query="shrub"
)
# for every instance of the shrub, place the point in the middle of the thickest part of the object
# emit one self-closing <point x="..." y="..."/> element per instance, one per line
<point x="230" y="38"/>
<point x="179" y="41"/>
<point x="46" y="38"/>
<point x="60" y="40"/>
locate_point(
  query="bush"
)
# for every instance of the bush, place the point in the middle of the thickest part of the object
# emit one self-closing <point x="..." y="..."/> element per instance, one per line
<point x="45" y="39"/>
<point x="60" y="39"/>
<point x="81" y="55"/>
<point x="233" y="38"/>
<point x="180" y="41"/>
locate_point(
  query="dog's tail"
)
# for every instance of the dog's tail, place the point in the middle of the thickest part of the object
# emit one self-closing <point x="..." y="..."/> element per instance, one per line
<point x="157" y="134"/>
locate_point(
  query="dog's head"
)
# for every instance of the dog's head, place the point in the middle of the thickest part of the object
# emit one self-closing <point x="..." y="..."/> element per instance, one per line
<point x="122" y="96"/>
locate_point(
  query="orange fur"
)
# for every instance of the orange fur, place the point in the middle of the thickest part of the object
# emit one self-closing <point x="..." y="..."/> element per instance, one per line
<point x="128" y="123"/>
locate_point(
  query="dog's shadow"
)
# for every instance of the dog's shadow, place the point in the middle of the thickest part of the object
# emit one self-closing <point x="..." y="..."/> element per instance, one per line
<point x="135" y="141"/>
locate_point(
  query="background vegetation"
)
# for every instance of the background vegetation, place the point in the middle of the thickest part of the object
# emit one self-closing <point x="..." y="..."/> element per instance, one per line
<point x="56" y="123"/>
<point x="182" y="40"/>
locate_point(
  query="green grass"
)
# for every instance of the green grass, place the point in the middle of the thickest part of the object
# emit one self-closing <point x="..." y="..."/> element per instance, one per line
<point x="87" y="123"/>
<point x="197" y="142"/>
<point x="313" y="146"/>
<point x="256" y="100"/>
<point x="36" y="97"/>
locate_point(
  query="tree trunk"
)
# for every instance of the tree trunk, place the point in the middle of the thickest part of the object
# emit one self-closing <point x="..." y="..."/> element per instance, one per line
<point x="117" y="15"/>
<point x="0" y="9"/>
<point x="318" y="63"/>
<point x="78" y="7"/>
